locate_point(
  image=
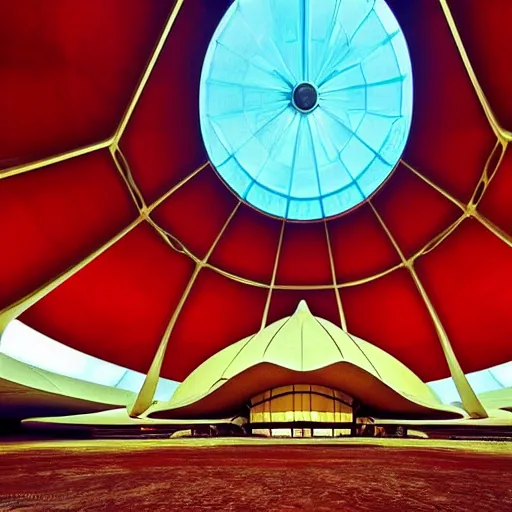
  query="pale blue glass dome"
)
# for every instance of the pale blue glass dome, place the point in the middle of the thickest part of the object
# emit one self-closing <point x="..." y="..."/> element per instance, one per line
<point x="306" y="105"/>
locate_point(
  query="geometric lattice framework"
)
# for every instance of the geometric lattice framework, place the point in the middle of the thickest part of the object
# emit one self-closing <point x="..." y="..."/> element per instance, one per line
<point x="306" y="105"/>
<point x="121" y="240"/>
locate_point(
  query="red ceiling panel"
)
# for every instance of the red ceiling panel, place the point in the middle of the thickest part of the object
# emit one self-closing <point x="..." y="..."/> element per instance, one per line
<point x="413" y="211"/>
<point x="497" y="201"/>
<point x="450" y="138"/>
<point x="68" y="71"/>
<point x="469" y="279"/>
<point x="217" y="313"/>
<point x="321" y="303"/>
<point x="52" y="218"/>
<point x="249" y="246"/>
<point x="118" y="307"/>
<point x="197" y="212"/>
<point x="304" y="258"/>
<point x="163" y="141"/>
<point x="484" y="27"/>
<point x="360" y="247"/>
<point x="390" y="313"/>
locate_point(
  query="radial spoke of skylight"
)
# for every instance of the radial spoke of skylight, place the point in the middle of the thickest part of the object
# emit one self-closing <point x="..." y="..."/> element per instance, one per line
<point x="315" y="160"/>
<point x="268" y="48"/>
<point x="351" y="18"/>
<point x="327" y="36"/>
<point x="274" y="80"/>
<point x="266" y="88"/>
<point x="337" y="51"/>
<point x="299" y="98"/>
<point x="273" y="149"/>
<point x="294" y="161"/>
<point x="344" y="126"/>
<point x="354" y="57"/>
<point x="330" y="90"/>
<point x="304" y="182"/>
<point x="250" y="136"/>
<point x="305" y="37"/>
<point x="334" y="176"/>
<point x="358" y="165"/>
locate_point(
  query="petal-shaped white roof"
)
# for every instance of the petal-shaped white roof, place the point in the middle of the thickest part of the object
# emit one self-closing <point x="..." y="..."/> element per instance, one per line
<point x="302" y="347"/>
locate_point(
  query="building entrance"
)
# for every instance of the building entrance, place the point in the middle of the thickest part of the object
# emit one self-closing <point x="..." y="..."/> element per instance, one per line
<point x="301" y="410"/>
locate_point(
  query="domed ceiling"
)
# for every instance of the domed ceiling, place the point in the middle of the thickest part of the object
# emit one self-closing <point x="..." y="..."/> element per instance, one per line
<point x="117" y="234"/>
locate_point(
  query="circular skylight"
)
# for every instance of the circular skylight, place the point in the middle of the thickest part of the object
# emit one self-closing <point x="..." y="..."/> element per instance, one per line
<point x="306" y="105"/>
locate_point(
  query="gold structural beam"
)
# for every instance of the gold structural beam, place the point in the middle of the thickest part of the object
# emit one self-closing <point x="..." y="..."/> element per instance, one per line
<point x="470" y="210"/>
<point x="147" y="392"/>
<point x="369" y="279"/>
<point x="16" y="309"/>
<point x="178" y="246"/>
<point x="149" y="69"/>
<point x="343" y="320"/>
<point x="273" y="279"/>
<point x="486" y="177"/>
<point x="20" y="169"/>
<point x="113" y="141"/>
<point x="117" y="155"/>
<point x="504" y="237"/>
<point x="124" y="170"/>
<point x="438" y="239"/>
<point x="436" y="187"/>
<point x="466" y="211"/>
<point x="304" y="287"/>
<point x="469" y="400"/>
<point x="502" y="134"/>
<point x="176" y="187"/>
<point x="20" y="306"/>
<point x="495" y="157"/>
<point x="146" y="210"/>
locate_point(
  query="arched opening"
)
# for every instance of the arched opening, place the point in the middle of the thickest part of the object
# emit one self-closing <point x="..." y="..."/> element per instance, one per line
<point x="302" y="410"/>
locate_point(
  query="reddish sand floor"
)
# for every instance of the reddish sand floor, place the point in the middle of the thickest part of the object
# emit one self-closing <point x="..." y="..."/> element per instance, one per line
<point x="186" y="475"/>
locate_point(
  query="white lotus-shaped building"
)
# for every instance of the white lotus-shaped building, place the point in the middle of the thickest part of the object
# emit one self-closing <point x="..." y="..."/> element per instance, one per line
<point x="302" y="350"/>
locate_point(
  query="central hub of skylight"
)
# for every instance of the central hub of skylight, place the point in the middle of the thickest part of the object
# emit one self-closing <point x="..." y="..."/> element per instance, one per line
<point x="305" y="97"/>
<point x="306" y="105"/>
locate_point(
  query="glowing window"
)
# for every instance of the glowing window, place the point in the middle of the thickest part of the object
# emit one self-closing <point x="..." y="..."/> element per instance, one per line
<point x="306" y="105"/>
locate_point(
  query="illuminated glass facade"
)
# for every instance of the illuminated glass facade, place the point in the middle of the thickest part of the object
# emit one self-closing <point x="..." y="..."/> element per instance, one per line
<point x="301" y="403"/>
<point x="306" y="105"/>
